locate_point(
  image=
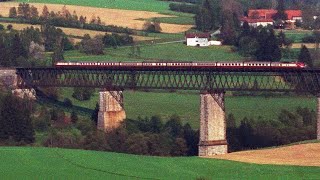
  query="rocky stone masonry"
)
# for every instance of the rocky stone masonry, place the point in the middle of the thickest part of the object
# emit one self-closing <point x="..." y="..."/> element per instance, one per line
<point x="111" y="113"/>
<point x="212" y="125"/>
<point x="9" y="80"/>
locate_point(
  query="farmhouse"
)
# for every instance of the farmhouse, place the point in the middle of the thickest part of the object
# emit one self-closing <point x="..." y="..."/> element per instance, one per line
<point x="263" y="17"/>
<point x="200" y="39"/>
<point x="257" y="22"/>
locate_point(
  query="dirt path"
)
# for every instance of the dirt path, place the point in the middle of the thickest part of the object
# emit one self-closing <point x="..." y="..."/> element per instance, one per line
<point x="125" y="18"/>
<point x="302" y="155"/>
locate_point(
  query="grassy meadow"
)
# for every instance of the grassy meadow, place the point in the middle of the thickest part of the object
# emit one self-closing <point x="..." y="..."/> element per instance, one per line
<point x="186" y="104"/>
<point x="141" y="5"/>
<point x="161" y="52"/>
<point x="54" y="163"/>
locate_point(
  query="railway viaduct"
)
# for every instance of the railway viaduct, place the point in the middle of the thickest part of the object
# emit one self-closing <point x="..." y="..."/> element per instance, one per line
<point x="211" y="84"/>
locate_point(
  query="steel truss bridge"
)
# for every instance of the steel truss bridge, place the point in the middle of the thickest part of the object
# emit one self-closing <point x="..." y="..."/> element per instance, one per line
<point x="214" y="80"/>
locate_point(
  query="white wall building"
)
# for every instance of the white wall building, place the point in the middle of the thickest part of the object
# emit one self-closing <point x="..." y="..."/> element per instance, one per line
<point x="198" y="39"/>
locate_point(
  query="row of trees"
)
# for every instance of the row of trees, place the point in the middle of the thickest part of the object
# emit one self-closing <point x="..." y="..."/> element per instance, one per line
<point x="63" y="18"/>
<point x="288" y="128"/>
<point x="97" y="44"/>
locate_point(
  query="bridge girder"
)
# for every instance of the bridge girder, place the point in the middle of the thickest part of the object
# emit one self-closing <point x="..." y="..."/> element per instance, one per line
<point x="301" y="80"/>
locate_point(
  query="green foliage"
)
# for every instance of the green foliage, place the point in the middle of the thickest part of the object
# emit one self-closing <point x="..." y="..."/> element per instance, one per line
<point x="280" y="15"/>
<point x="82" y="94"/>
<point x="305" y="56"/>
<point x="115" y="40"/>
<point x="62" y="138"/>
<point x="15" y="120"/>
<point x="92" y="46"/>
<point x="183" y="7"/>
<point x="152" y="26"/>
<point x="74" y="117"/>
<point x="290" y="127"/>
<point x="94" y="115"/>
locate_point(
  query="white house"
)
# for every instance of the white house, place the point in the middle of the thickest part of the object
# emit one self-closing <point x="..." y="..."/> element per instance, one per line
<point x="197" y="39"/>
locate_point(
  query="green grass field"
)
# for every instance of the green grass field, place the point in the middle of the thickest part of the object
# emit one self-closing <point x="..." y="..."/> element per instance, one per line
<point x="187" y="105"/>
<point x="142" y="5"/>
<point x="46" y="163"/>
<point x="161" y="52"/>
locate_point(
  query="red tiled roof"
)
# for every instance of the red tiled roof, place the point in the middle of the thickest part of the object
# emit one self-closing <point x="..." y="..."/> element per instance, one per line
<point x="268" y="13"/>
<point x="263" y="13"/>
<point x="293" y="13"/>
<point x="199" y="35"/>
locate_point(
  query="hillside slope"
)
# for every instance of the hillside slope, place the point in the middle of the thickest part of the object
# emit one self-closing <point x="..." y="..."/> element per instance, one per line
<point x="118" y="17"/>
<point x="53" y="163"/>
<point x="301" y="154"/>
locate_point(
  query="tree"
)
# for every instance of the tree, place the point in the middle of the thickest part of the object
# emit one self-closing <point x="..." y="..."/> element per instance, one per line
<point x="281" y="14"/>
<point x="92" y="46"/>
<point x="36" y="51"/>
<point x="34" y="12"/>
<point x="179" y="148"/>
<point x="57" y="51"/>
<point x="268" y="46"/>
<point x="15" y="120"/>
<point x="82" y="94"/>
<point x="307" y="16"/>
<point x="248" y="46"/>
<point x="137" y="144"/>
<point x="152" y="26"/>
<point x="13" y="12"/>
<point x="24" y="10"/>
<point x="45" y="12"/>
<point x="17" y="50"/>
<point x="246" y="133"/>
<point x="74" y="117"/>
<point x="95" y="113"/>
<point x="305" y="57"/>
<point x="207" y="17"/>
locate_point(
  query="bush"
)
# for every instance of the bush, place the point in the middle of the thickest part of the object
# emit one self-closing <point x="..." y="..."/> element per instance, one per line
<point x="82" y="94"/>
<point x="182" y="7"/>
<point x="67" y="102"/>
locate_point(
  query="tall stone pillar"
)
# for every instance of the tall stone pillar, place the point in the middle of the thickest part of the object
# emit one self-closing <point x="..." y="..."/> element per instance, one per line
<point x="212" y="125"/>
<point x="111" y="111"/>
<point x="318" y="118"/>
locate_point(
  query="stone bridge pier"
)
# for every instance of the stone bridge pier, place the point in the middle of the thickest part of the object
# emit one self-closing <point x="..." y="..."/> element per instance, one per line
<point x="111" y="111"/>
<point x="9" y="81"/>
<point x="212" y="124"/>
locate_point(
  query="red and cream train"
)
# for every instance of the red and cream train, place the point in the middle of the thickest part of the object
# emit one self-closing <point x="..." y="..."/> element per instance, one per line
<point x="184" y="65"/>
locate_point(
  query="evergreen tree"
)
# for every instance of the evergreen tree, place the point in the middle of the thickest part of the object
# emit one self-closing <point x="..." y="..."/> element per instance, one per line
<point x="15" y="120"/>
<point x="281" y="14"/>
<point x="17" y="50"/>
<point x="208" y="16"/>
<point x="268" y="46"/>
<point x="305" y="56"/>
<point x="94" y="115"/>
<point x="13" y="12"/>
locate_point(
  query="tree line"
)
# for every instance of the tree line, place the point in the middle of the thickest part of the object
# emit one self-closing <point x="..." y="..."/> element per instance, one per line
<point x="146" y="136"/>
<point x="29" y="14"/>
